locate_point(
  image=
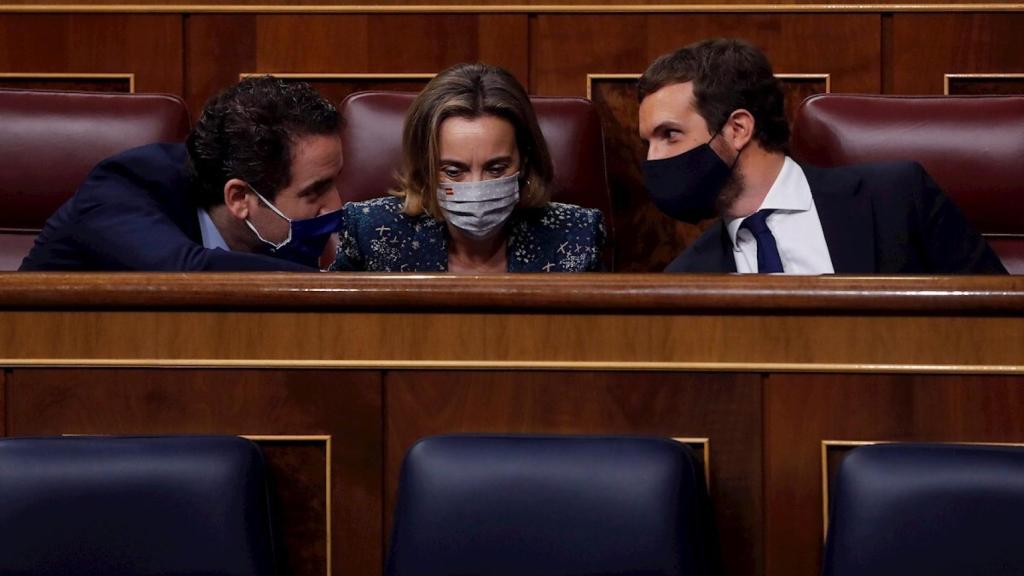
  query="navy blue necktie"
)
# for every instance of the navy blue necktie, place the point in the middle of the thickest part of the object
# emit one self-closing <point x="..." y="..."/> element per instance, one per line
<point x="768" y="259"/>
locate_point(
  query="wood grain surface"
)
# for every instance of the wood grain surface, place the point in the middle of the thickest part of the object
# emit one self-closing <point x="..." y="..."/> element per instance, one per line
<point x="346" y="406"/>
<point x="726" y="408"/>
<point x="802" y="410"/>
<point x="766" y="368"/>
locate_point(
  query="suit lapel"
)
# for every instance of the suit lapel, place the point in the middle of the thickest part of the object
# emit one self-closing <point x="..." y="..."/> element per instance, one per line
<point x="726" y="259"/>
<point x="711" y="252"/>
<point x="846" y="219"/>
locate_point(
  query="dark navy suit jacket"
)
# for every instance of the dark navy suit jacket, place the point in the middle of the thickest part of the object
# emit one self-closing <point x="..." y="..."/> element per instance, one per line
<point x="136" y="211"/>
<point x="877" y="218"/>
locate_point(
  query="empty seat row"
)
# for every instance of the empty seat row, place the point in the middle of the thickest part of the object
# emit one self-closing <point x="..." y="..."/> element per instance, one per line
<point x="490" y="505"/>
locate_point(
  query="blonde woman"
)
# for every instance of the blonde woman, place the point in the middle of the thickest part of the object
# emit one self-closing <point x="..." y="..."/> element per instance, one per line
<point x="474" y="190"/>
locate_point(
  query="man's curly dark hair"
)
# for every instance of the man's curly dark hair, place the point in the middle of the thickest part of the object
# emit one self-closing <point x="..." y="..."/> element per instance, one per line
<point x="247" y="132"/>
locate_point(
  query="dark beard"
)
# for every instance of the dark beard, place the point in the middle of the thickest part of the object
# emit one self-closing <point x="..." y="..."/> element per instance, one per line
<point x="731" y="190"/>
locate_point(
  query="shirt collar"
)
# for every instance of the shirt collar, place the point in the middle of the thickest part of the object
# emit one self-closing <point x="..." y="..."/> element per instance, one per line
<point x="211" y="236"/>
<point x="789" y="193"/>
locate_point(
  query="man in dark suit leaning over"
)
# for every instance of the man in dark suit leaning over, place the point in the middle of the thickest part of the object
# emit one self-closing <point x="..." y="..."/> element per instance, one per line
<point x="253" y="189"/>
<point x="713" y="116"/>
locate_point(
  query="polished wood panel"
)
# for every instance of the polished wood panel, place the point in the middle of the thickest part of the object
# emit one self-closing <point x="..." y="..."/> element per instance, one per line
<point x="729" y="294"/>
<point x="82" y="82"/>
<point x="506" y="6"/>
<point x="149" y="46"/>
<point x="801" y="410"/>
<point x="571" y="49"/>
<point x="346" y="406"/>
<point x="723" y="407"/>
<point x="979" y="84"/>
<point x="337" y="90"/>
<point x="298" y="484"/>
<point x="643" y="321"/>
<point x="568" y="47"/>
<point x="926" y="47"/>
<point x="336" y="44"/>
<point x="765" y="367"/>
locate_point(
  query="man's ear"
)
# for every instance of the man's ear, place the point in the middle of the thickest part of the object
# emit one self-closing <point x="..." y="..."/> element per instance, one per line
<point x="739" y="129"/>
<point x="236" y="198"/>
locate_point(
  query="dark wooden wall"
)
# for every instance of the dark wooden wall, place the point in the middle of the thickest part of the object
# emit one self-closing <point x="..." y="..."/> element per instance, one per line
<point x="580" y="53"/>
<point x="765" y="434"/>
<point x="337" y="375"/>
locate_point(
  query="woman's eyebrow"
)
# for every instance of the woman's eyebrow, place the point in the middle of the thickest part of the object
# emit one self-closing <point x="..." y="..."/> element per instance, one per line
<point x="506" y="159"/>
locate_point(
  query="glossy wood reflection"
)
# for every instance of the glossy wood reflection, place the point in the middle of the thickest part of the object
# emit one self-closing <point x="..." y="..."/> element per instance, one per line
<point x="801" y="410"/>
<point x="149" y="46"/>
<point x="967" y="85"/>
<point x="346" y="406"/>
<point x="723" y="407"/>
<point x="348" y="44"/>
<point x="933" y="45"/>
<point x="298" y="485"/>
<point x="84" y="82"/>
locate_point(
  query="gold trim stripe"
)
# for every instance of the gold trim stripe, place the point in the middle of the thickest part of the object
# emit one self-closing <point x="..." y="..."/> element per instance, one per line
<point x="988" y="76"/>
<point x="826" y="76"/>
<point x="607" y="77"/>
<point x="343" y="76"/>
<point x="506" y="8"/>
<point x="386" y="364"/>
<point x="129" y="76"/>
<point x="705" y="452"/>
<point x="826" y="444"/>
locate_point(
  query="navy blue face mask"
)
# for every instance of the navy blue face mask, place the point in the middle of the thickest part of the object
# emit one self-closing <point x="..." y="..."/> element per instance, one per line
<point x="686" y="186"/>
<point x="306" y="238"/>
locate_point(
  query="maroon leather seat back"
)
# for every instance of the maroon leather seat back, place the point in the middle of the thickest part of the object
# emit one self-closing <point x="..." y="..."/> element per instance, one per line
<point x="372" y="145"/>
<point x="50" y="140"/>
<point x="973" y="146"/>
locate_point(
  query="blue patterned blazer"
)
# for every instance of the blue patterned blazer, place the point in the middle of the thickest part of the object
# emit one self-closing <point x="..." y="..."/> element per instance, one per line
<point x="377" y="236"/>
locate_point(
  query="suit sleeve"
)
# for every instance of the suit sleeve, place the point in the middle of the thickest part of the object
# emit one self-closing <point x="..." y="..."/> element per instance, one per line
<point x="122" y="223"/>
<point x="950" y="244"/>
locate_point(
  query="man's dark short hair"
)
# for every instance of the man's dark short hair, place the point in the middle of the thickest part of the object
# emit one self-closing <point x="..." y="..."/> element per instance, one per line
<point x="247" y="132"/>
<point x="727" y="75"/>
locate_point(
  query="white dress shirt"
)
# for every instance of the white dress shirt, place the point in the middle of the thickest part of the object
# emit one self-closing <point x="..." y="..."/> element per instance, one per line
<point x="794" y="223"/>
<point x="211" y="236"/>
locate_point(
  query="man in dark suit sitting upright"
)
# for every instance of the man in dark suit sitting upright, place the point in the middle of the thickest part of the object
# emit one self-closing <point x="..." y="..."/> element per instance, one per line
<point x="253" y="189"/>
<point x="712" y="114"/>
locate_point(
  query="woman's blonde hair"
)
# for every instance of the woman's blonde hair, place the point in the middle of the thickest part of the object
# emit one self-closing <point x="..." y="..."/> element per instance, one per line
<point x="469" y="91"/>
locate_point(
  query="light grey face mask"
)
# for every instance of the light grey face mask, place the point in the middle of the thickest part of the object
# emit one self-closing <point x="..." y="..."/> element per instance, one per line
<point x="479" y="208"/>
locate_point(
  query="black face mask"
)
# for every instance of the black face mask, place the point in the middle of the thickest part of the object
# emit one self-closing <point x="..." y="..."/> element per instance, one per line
<point x="686" y="186"/>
